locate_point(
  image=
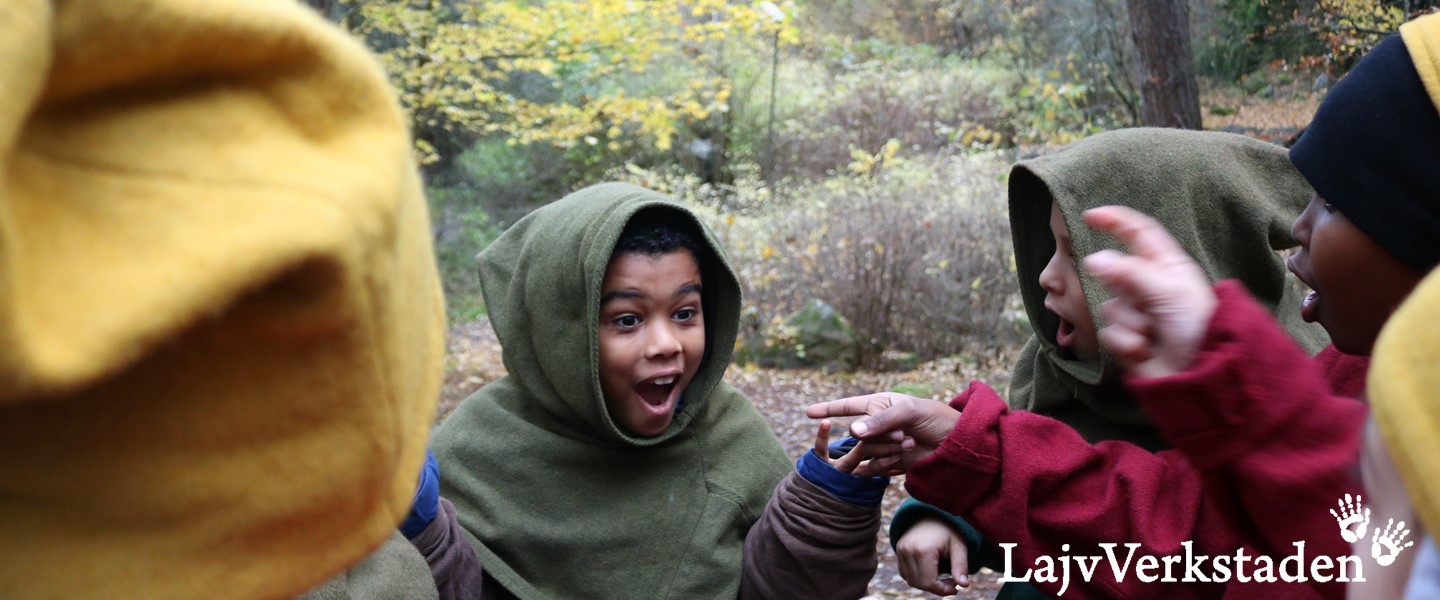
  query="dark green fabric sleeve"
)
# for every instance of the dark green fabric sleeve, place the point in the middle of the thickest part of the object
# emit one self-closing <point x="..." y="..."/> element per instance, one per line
<point x="981" y="552"/>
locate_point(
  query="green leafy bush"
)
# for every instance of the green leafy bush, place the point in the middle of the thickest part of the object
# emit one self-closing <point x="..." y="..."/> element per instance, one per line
<point x="461" y="231"/>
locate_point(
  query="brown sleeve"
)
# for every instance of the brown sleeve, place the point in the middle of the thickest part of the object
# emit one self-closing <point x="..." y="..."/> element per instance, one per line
<point x="452" y="561"/>
<point x="809" y="544"/>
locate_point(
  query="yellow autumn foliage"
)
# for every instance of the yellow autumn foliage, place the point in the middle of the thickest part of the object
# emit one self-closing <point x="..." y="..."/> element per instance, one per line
<point x="455" y="65"/>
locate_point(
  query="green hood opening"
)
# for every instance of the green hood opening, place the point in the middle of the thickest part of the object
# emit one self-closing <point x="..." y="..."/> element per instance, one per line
<point x="541" y="281"/>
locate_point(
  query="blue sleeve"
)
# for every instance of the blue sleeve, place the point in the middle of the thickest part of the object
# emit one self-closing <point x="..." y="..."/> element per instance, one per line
<point x="863" y="491"/>
<point x="427" y="498"/>
<point x="842" y="446"/>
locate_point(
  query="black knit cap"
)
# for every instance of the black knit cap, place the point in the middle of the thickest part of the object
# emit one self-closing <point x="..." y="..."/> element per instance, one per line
<point x="1373" y="151"/>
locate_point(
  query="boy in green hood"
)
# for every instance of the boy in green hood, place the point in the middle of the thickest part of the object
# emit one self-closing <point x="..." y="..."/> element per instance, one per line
<point x="613" y="461"/>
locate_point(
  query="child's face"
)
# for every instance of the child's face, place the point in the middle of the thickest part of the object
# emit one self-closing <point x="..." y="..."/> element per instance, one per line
<point x="1356" y="283"/>
<point x="652" y="337"/>
<point x="1065" y="298"/>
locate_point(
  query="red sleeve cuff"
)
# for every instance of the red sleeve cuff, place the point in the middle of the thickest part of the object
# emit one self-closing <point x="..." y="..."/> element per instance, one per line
<point x="966" y="464"/>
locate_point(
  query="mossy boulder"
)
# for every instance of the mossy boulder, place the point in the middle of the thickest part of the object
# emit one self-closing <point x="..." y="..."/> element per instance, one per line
<point x="814" y="337"/>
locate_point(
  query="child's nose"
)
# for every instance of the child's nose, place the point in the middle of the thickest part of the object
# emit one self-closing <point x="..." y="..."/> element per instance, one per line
<point x="663" y="342"/>
<point x="1050" y="279"/>
<point x="1300" y="229"/>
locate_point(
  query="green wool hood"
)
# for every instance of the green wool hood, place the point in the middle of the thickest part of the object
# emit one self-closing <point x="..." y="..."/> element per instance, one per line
<point x="559" y="500"/>
<point x="1228" y="199"/>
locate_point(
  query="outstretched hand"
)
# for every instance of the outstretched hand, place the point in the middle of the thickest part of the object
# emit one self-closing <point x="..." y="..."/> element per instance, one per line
<point x="1162" y="299"/>
<point x="895" y="425"/>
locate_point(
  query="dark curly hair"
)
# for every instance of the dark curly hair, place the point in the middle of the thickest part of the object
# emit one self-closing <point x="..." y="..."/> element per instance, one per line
<point x="654" y="232"/>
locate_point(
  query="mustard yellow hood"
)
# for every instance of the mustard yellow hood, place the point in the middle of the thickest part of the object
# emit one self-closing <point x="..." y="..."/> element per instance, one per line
<point x="1403" y="377"/>
<point x="221" y="331"/>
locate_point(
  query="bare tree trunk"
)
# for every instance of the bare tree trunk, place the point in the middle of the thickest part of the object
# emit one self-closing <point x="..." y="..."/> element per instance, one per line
<point x="1169" y="94"/>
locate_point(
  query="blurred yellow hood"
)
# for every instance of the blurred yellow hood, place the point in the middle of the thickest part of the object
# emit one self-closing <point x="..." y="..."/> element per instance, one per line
<point x="221" y="329"/>
<point x="1403" y="400"/>
<point x="1422" y="41"/>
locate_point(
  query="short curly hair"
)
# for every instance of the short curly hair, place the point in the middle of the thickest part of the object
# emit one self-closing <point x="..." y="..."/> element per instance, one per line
<point x="653" y="232"/>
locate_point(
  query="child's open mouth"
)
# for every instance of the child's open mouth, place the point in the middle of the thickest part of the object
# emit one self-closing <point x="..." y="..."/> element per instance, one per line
<point x="1310" y="304"/>
<point x="656" y="392"/>
<point x="1065" y="334"/>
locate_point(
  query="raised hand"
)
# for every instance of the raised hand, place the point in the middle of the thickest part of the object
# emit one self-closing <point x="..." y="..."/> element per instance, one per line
<point x="1351" y="515"/>
<point x="1386" y="543"/>
<point x="919" y="551"/>
<point x="894" y="424"/>
<point x="1162" y="300"/>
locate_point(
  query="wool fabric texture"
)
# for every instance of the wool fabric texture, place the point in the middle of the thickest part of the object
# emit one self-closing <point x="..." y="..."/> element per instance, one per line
<point x="559" y="501"/>
<point x="1229" y="200"/>
<point x="221" y="327"/>
<point x="1403" y="402"/>
<point x="1373" y="148"/>
<point x="397" y="571"/>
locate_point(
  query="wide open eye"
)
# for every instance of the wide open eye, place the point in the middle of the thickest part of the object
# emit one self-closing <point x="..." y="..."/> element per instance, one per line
<point x="626" y="321"/>
<point x="686" y="314"/>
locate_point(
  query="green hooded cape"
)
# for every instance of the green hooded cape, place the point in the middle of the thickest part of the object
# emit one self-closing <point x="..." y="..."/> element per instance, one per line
<point x="1228" y="199"/>
<point x="561" y="502"/>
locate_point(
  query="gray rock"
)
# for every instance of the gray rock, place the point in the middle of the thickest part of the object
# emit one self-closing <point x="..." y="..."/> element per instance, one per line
<point x="816" y="337"/>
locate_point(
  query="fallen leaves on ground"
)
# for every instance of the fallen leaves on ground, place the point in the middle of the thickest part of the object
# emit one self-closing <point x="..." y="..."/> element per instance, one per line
<point x="1275" y="120"/>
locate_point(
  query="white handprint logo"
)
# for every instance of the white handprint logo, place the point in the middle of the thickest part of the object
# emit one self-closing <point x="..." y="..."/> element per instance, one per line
<point x="1352" y="514"/>
<point x="1389" y="542"/>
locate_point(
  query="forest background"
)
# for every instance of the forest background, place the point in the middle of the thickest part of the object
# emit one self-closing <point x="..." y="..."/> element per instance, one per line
<point x="853" y="154"/>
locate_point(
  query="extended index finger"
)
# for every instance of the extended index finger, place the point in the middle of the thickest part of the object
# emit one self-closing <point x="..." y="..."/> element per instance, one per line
<point x="1144" y="236"/>
<point x="853" y="406"/>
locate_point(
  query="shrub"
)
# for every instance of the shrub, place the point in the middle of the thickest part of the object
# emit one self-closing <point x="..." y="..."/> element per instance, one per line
<point x="925" y="107"/>
<point x="917" y="258"/>
<point x="506" y="180"/>
<point x="915" y="254"/>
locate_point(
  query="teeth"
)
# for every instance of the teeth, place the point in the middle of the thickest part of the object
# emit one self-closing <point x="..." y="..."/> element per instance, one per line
<point x="664" y="380"/>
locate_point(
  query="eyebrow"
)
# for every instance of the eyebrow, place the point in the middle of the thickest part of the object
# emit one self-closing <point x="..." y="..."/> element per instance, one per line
<point x="622" y="294"/>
